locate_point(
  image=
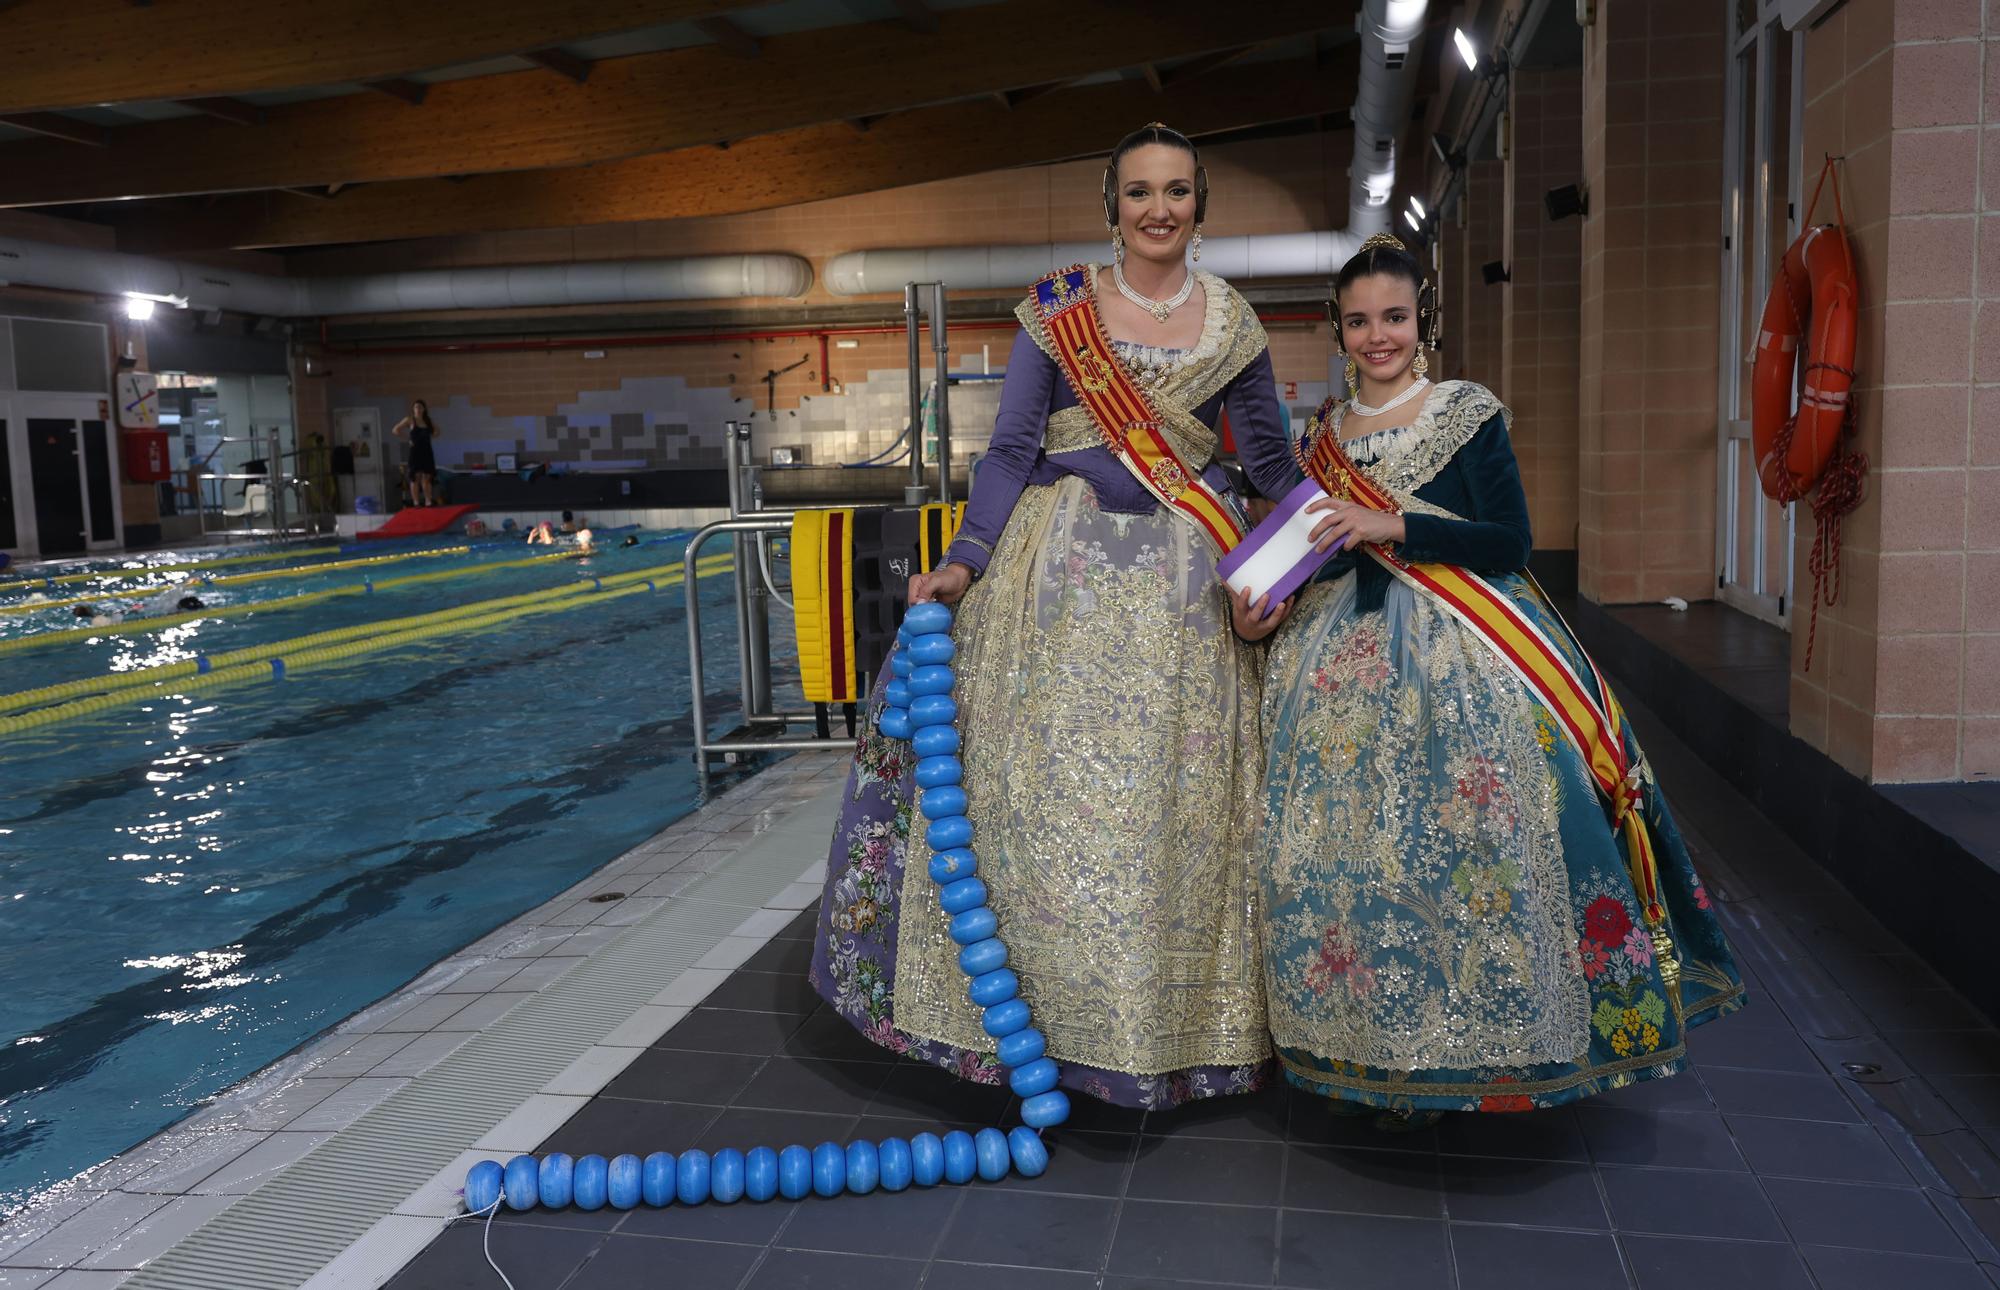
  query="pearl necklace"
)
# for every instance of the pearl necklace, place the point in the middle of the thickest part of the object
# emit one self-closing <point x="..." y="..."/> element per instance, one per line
<point x="1160" y="309"/>
<point x="1416" y="387"/>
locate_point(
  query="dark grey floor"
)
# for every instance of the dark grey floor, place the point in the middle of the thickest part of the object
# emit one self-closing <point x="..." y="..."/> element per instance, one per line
<point x="1837" y="1134"/>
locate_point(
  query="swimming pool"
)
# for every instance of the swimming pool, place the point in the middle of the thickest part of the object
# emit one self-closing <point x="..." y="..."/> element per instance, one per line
<point x="193" y="885"/>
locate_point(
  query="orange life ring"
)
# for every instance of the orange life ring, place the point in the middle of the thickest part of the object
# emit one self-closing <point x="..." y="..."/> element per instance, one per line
<point x="1815" y="282"/>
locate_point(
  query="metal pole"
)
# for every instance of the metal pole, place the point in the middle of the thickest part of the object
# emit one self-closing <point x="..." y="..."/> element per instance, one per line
<point x="734" y="432"/>
<point x="691" y="593"/>
<point x="941" y="348"/>
<point x="915" y="494"/>
<point x="749" y="574"/>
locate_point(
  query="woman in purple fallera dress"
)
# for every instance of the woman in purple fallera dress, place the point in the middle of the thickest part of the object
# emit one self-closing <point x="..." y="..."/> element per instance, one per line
<point x="1109" y="713"/>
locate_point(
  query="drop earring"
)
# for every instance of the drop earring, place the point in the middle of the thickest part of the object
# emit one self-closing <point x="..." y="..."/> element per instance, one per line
<point x="1421" y="364"/>
<point x="1117" y="245"/>
<point x="1353" y="378"/>
<point x="1197" y="243"/>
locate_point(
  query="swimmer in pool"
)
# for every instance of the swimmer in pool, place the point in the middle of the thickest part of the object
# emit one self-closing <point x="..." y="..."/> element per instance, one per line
<point x="542" y="535"/>
<point x="631" y="539"/>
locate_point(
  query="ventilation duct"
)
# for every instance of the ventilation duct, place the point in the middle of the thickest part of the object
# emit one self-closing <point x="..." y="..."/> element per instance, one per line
<point x="1390" y="32"/>
<point x="710" y="277"/>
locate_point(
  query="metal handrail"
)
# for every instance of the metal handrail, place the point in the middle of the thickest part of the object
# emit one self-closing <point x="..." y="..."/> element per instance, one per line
<point x="756" y="664"/>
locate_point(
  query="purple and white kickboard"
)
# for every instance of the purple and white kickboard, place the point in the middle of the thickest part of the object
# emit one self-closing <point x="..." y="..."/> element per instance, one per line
<point x="1278" y="557"/>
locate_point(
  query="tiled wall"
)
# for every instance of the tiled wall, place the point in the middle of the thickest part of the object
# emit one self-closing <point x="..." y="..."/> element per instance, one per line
<point x="1901" y="685"/>
<point x="1540" y="304"/>
<point x="1472" y="325"/>
<point x="1652" y="135"/>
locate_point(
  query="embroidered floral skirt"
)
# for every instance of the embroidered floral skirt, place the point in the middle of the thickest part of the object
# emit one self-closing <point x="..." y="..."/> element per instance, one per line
<point x="1111" y="749"/>
<point x="1450" y="923"/>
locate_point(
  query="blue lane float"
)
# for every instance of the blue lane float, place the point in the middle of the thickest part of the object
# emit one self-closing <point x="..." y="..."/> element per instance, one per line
<point x="917" y="707"/>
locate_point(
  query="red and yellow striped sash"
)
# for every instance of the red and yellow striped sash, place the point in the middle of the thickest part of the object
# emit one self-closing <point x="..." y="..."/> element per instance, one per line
<point x="1127" y="421"/>
<point x="1583" y="708"/>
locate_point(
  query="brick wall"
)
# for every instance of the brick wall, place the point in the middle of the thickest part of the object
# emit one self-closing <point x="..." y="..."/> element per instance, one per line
<point x="1653" y="101"/>
<point x="1540" y="304"/>
<point x="1900" y="687"/>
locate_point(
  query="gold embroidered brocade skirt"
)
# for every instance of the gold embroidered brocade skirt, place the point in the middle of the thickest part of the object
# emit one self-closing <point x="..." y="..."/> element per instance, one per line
<point x="1111" y="747"/>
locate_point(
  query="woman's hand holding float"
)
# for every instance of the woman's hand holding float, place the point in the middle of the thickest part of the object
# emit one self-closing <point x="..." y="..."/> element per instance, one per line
<point x="944" y="585"/>
<point x="1348" y="525"/>
<point x="1253" y="622"/>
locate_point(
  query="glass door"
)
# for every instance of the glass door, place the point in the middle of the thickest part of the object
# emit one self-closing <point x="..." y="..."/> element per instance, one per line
<point x="1760" y="214"/>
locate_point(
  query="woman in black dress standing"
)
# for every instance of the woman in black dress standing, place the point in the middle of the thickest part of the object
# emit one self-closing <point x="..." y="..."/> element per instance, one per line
<point x="423" y="462"/>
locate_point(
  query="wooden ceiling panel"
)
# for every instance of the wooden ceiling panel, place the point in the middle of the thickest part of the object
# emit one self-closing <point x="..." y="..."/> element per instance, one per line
<point x="645" y="103"/>
<point x="82" y="53"/>
<point x="773" y="170"/>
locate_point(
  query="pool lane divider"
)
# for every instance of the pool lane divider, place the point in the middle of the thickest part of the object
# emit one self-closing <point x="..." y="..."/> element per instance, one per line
<point x="139" y="626"/>
<point x="50" y="705"/>
<point x="144" y="571"/>
<point x="238" y="579"/>
<point x="918" y="707"/>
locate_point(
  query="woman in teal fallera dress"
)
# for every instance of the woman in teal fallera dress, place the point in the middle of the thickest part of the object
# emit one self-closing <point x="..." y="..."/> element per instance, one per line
<point x="1451" y="921"/>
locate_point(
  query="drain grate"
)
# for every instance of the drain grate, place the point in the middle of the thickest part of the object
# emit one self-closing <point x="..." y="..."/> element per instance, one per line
<point x="288" y="1229"/>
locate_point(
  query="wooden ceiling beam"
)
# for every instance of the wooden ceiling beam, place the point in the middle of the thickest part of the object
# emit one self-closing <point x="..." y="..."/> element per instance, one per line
<point x="917" y="15"/>
<point x="410" y="92"/>
<point x="224" y="109"/>
<point x="729" y="37"/>
<point x="54" y="126"/>
<point x="771" y="170"/>
<point x="529" y="120"/>
<point x="1201" y="65"/>
<point x="561" y="62"/>
<point x="80" y="53"/>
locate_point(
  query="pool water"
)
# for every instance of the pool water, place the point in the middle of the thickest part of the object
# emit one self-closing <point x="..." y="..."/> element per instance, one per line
<point x="193" y="885"/>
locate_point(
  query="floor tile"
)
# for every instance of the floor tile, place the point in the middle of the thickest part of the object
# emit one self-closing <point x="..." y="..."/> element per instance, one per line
<point x="970" y="1276"/>
<point x="1214" y="1171"/>
<point x="612" y="1126"/>
<point x="1520" y="1258"/>
<point x="914" y="1091"/>
<point x="1975" y="1097"/>
<point x="1530" y="1192"/>
<point x="1199" y="1242"/>
<point x="902" y="1225"/>
<point x="1315" y="1120"/>
<point x="1362" y="1252"/>
<point x="1752" y="1048"/>
<point x="1811" y="1149"/>
<point x="1690" y="1202"/>
<point x="785" y="957"/>
<point x="154" y="1234"/>
<point x="1674" y="1139"/>
<point x="349" y="1103"/>
<point x="277" y="1151"/>
<point x="1841" y="1269"/>
<point x="744" y="1127"/>
<point x="1791" y="1097"/>
<point x="804" y="1084"/>
<point x="626" y="1261"/>
<point x="765" y="992"/>
<point x="814" y="1270"/>
<point x="82" y="1235"/>
<point x="1530" y="1135"/>
<point x="744" y="1223"/>
<point x="195" y="1161"/>
<point x="1676" y="1263"/>
<point x="1683" y="1092"/>
<point x="826" y="1034"/>
<point x="530" y="1257"/>
<point x="672" y="1075"/>
<point x="1083" y="1164"/>
<point x="996" y="1225"/>
<point x="718" y="1030"/>
<point x="1262" y="1116"/>
<point x="1402" y="1184"/>
<point x="1890" y="1219"/>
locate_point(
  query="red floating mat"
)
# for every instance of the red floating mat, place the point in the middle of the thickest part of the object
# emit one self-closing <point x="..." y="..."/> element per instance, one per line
<point x="416" y="521"/>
